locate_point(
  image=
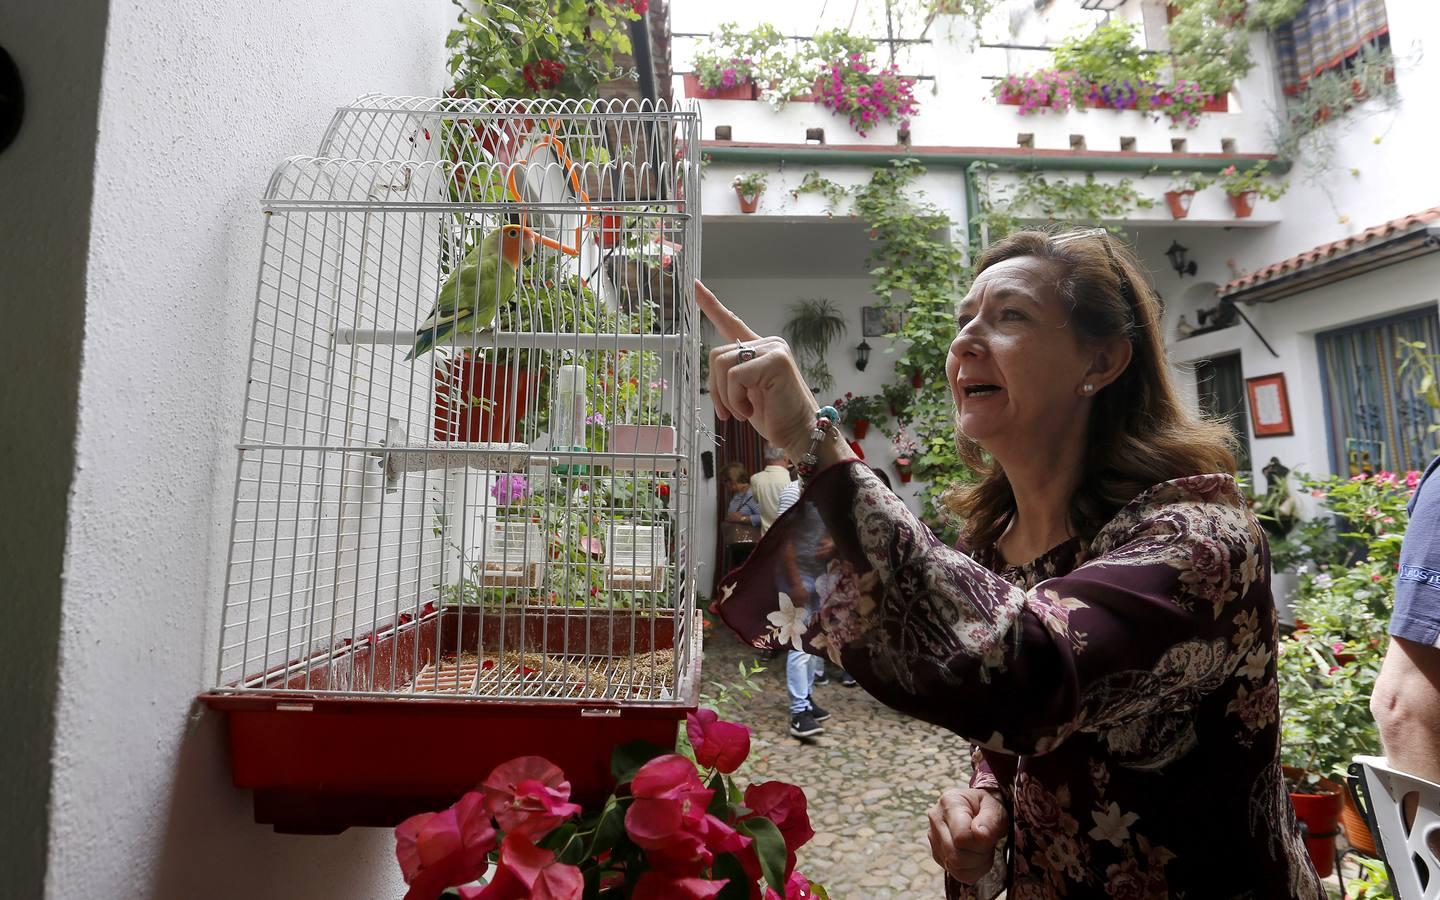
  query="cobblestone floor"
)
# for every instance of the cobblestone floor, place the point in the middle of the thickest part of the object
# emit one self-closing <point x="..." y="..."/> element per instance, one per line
<point x="870" y="778"/>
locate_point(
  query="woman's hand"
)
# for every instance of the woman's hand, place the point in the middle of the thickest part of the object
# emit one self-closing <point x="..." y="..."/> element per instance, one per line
<point x="965" y="826"/>
<point x="767" y="390"/>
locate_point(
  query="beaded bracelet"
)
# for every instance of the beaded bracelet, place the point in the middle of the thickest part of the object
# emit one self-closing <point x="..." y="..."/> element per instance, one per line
<point x="825" y="419"/>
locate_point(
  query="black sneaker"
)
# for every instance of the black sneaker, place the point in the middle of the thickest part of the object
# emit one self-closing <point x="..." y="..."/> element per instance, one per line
<point x="822" y="678"/>
<point x="819" y="714"/>
<point x="847" y="681"/>
<point x="803" y="725"/>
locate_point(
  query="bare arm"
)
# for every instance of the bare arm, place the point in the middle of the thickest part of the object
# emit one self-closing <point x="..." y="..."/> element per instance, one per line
<point x="1406" y="706"/>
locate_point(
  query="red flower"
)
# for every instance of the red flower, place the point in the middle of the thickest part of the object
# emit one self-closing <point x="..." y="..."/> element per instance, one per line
<point x="718" y="745"/>
<point x="784" y="804"/>
<point x="528" y="796"/>
<point x="797" y="887"/>
<point x="664" y="491"/>
<point x="543" y="75"/>
<point x="527" y="872"/>
<point x="668" y="817"/>
<point x="659" y="886"/>
<point x="440" y="850"/>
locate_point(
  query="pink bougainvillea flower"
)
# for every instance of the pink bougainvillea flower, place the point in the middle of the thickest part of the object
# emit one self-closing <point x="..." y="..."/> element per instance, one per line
<point x="528" y="796"/>
<point x="718" y="745"/>
<point x="784" y="804"/>
<point x="1412" y="479"/>
<point x="797" y="887"/>
<point x="528" y="872"/>
<point x="444" y="849"/>
<point x="668" y="818"/>
<point x="660" y="886"/>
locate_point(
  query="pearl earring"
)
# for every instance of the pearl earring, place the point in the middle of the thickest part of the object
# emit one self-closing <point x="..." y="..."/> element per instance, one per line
<point x="1089" y="388"/>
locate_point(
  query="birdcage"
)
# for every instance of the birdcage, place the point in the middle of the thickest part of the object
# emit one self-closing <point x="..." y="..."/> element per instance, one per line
<point x="464" y="505"/>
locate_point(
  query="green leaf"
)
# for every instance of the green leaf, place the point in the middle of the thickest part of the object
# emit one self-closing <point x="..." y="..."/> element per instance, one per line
<point x="819" y="891"/>
<point x="729" y="867"/>
<point x="628" y="758"/>
<point x="720" y="800"/>
<point x="770" y="848"/>
<point x="610" y="829"/>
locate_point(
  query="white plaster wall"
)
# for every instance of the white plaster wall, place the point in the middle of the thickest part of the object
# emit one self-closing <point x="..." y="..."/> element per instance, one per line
<point x="199" y="102"/>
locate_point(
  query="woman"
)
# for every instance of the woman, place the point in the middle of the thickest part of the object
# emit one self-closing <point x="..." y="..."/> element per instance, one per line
<point x="743" y="509"/>
<point x="1108" y="641"/>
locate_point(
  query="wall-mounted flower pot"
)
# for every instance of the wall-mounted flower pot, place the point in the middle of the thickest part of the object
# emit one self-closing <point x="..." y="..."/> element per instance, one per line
<point x="653" y="446"/>
<point x="861" y="427"/>
<point x="1179" y="203"/>
<point x="905" y="471"/>
<point x="1243" y="204"/>
<point x="917" y="380"/>
<point x="693" y="88"/>
<point x="858" y="450"/>
<point x="748" y="204"/>
<point x="476" y="400"/>
<point x="1321" y="814"/>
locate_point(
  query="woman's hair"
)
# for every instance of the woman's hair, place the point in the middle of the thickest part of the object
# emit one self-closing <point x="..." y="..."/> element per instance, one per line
<point x="1140" y="432"/>
<point x="735" y="471"/>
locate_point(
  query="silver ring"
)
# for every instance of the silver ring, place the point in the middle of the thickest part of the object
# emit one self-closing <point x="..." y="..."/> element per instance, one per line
<point x="746" y="354"/>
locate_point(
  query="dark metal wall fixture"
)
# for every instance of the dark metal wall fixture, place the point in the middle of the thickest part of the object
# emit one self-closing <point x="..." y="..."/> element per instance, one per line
<point x="12" y="100"/>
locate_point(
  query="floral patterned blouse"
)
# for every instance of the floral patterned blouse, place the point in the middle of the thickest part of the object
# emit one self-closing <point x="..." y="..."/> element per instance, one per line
<point x="1120" y="694"/>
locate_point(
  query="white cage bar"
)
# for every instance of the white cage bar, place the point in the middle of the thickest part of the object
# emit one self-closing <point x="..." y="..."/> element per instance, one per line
<point x="503" y="511"/>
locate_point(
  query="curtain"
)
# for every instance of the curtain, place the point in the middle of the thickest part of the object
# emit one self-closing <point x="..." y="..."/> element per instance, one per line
<point x="1324" y="34"/>
<point x="1376" y="416"/>
<point x="1221" y="385"/>
<point x="735" y="441"/>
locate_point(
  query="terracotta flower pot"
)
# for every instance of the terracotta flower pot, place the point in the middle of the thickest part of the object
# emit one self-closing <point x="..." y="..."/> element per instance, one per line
<point x="479" y="401"/>
<point x="748" y="204"/>
<point x="693" y="88"/>
<point x="861" y="427"/>
<point x="1321" y="814"/>
<point x="917" y="380"/>
<point x="1357" y="830"/>
<point x="1243" y="204"/>
<point x="905" y="473"/>
<point x="855" y="446"/>
<point x="1179" y="202"/>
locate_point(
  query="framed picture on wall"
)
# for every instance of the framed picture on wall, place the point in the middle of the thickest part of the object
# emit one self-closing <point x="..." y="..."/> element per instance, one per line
<point x="878" y="321"/>
<point x="1269" y="406"/>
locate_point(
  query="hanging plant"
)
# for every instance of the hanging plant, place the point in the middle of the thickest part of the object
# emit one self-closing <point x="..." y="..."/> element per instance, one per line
<point x="868" y="98"/>
<point x="813" y="326"/>
<point x="1206" y="46"/>
<point x="1077" y="201"/>
<point x="815" y="183"/>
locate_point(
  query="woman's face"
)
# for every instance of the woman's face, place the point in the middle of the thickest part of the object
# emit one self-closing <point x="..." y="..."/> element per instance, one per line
<point x="1016" y="367"/>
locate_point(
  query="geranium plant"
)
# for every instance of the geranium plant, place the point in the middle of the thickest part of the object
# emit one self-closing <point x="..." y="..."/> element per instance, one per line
<point x="1237" y="182"/>
<point x="1047" y="89"/>
<point x="868" y="97"/>
<point x="750" y="183"/>
<point x="733" y="57"/>
<point x="675" y="827"/>
<point x="904" y="446"/>
<point x="863" y="411"/>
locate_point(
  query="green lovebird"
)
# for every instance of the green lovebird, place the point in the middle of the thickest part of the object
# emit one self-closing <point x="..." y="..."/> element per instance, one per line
<point x="474" y="291"/>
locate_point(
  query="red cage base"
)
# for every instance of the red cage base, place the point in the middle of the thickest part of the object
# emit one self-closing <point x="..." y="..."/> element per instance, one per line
<point x="320" y="764"/>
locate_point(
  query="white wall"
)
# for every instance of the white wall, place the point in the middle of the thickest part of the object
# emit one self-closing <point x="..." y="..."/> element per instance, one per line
<point x="199" y="102"/>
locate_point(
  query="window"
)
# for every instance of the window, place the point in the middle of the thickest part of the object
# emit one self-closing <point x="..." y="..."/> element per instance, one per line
<point x="1221" y="386"/>
<point x="1326" y="34"/>
<point x="1376" y="418"/>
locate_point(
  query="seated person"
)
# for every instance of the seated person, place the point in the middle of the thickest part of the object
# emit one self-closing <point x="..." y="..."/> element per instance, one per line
<point x="743" y="509"/>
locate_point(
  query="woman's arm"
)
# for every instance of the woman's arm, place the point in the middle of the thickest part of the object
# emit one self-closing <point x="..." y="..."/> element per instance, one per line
<point x="1160" y="620"/>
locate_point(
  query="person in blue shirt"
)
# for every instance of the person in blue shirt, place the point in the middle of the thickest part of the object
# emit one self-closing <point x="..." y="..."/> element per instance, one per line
<point x="743" y="509"/>
<point x="1406" y="700"/>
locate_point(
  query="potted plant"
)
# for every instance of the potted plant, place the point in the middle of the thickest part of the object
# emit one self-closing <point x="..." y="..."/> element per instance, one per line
<point x="1243" y="186"/>
<point x="635" y="393"/>
<point x="731" y="63"/>
<point x="669" y="809"/>
<point x="814" y="325"/>
<point x="1183" y="186"/>
<point x="867" y="97"/>
<point x="1327" y="666"/>
<point x="897" y="398"/>
<point x="905" y="448"/>
<point x="749" y="187"/>
<point x="861" y="412"/>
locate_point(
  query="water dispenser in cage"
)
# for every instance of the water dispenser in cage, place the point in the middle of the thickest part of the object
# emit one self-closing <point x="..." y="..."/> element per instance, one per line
<point x="463" y="510"/>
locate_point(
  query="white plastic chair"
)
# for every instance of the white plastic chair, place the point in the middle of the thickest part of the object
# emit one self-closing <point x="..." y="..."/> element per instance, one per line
<point x="1409" y="853"/>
